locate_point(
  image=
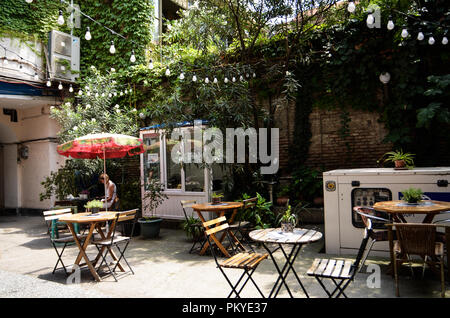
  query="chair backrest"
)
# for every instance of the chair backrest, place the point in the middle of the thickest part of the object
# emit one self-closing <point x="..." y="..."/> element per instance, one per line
<point x="123" y="216"/>
<point x="416" y="238"/>
<point x="369" y="216"/>
<point x="219" y="226"/>
<point x="249" y="203"/>
<point x="52" y="216"/>
<point x="187" y="204"/>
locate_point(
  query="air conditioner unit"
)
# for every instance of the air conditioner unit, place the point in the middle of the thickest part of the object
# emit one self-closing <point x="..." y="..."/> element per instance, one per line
<point x="64" y="56"/>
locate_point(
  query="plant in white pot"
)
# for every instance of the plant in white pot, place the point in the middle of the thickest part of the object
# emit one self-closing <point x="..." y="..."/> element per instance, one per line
<point x="154" y="196"/>
<point x="288" y="220"/>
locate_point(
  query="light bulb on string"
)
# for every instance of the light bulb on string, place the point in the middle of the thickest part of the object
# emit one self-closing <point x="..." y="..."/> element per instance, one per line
<point x="48" y="83"/>
<point x="112" y="48"/>
<point x="390" y="24"/>
<point x="206" y="80"/>
<point x="420" y="36"/>
<point x="241" y="78"/>
<point x="233" y="79"/>
<point x="80" y="92"/>
<point x="150" y="65"/>
<point x="60" y="18"/>
<point x="36" y="76"/>
<point x="181" y="76"/>
<point x="194" y="78"/>
<point x="385" y="77"/>
<point x="226" y="80"/>
<point x="405" y="33"/>
<point x="254" y="75"/>
<point x="351" y="7"/>
<point x="370" y="19"/>
<point x="215" y="81"/>
<point x="28" y="1"/>
<point x="5" y="61"/>
<point x="167" y="72"/>
<point x="70" y="88"/>
<point x="431" y="40"/>
<point x="88" y="35"/>
<point x="60" y="86"/>
<point x="132" y="57"/>
<point x="444" y="40"/>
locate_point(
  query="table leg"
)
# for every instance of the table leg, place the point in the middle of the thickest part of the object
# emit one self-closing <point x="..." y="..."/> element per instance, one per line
<point x="83" y="248"/>
<point x="282" y="274"/>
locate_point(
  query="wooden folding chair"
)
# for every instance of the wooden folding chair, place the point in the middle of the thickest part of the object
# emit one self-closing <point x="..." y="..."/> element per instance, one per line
<point x="248" y="262"/>
<point x="116" y="241"/>
<point x="51" y="217"/>
<point x="416" y="239"/>
<point x="340" y="272"/>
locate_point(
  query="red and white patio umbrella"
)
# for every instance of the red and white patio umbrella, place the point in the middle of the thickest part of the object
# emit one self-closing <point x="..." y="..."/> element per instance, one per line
<point x="103" y="146"/>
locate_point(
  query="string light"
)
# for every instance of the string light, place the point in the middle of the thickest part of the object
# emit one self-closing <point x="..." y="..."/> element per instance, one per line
<point x="405" y="33"/>
<point x="36" y="76"/>
<point x="28" y="1"/>
<point x="167" y="72"/>
<point x="351" y="7"/>
<point x="150" y="65"/>
<point x="182" y="76"/>
<point x="431" y="40"/>
<point x="60" y="18"/>
<point x="194" y="78"/>
<point x="206" y="80"/>
<point x="215" y="81"/>
<point x="132" y="57"/>
<point x="385" y="77"/>
<point x="88" y="35"/>
<point x="225" y="80"/>
<point x="420" y="36"/>
<point x="60" y="87"/>
<point x="444" y="40"/>
<point x="71" y="88"/>
<point x="390" y="24"/>
<point x="112" y="48"/>
<point x="49" y="83"/>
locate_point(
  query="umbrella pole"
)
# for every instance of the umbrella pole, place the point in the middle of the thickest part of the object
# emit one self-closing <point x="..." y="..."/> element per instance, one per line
<point x="104" y="172"/>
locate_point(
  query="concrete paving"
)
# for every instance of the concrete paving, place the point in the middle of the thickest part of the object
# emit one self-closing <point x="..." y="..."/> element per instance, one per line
<point x="164" y="269"/>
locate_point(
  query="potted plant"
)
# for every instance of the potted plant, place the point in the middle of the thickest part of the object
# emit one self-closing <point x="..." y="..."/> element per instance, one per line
<point x="216" y="198"/>
<point x="400" y="159"/>
<point x="193" y="228"/>
<point x="288" y="220"/>
<point x="153" y="197"/>
<point x="94" y="206"/>
<point x="412" y="195"/>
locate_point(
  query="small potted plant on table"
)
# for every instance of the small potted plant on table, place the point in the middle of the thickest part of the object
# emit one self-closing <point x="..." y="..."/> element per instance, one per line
<point x="412" y="196"/>
<point x="288" y="220"/>
<point x="216" y="198"/>
<point x="94" y="206"/>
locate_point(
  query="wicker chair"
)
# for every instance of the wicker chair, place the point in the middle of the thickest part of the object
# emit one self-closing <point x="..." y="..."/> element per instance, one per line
<point x="416" y="239"/>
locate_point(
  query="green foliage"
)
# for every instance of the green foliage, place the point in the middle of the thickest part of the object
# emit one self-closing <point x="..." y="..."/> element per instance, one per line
<point x="153" y="196"/>
<point x="94" y="204"/>
<point x="261" y="214"/>
<point x="307" y="183"/>
<point x="60" y="183"/>
<point x="190" y="230"/>
<point x="396" y="155"/>
<point x="412" y="195"/>
<point x="288" y="217"/>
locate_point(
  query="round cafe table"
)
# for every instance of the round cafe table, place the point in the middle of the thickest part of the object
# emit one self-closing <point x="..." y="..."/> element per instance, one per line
<point x="296" y="240"/>
<point x="95" y="220"/>
<point x="220" y="209"/>
<point x="399" y="208"/>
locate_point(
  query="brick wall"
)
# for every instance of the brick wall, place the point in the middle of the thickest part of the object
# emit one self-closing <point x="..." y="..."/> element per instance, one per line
<point x="328" y="149"/>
